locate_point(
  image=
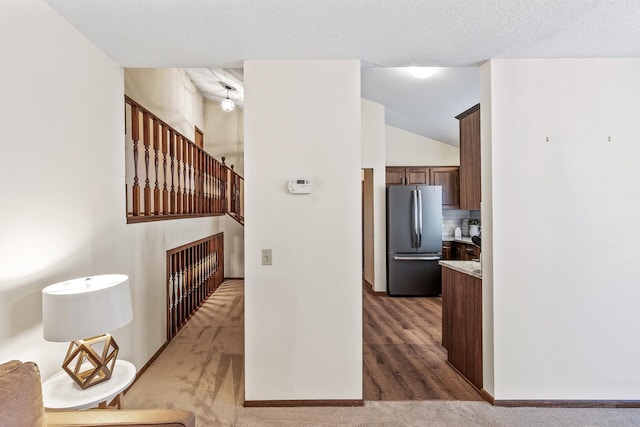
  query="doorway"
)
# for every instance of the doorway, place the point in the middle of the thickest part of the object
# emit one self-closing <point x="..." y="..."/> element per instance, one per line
<point x="367" y="228"/>
<point x="403" y="357"/>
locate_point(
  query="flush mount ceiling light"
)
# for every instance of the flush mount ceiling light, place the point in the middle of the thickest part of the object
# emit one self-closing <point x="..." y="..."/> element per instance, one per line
<point x="422" y="72"/>
<point x="228" y="104"/>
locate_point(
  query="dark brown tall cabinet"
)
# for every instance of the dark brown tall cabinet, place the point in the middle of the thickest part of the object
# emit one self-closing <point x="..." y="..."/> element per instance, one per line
<point x="446" y="176"/>
<point x="470" y="187"/>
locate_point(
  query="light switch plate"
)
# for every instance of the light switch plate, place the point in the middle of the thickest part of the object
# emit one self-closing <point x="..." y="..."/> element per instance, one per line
<point x="266" y="257"/>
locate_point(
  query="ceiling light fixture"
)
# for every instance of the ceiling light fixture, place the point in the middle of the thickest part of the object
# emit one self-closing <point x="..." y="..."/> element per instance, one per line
<point x="228" y="104"/>
<point x="422" y="72"/>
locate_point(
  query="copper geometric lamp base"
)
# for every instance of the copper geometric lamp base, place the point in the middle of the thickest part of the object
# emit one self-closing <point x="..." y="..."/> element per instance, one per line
<point x="91" y="361"/>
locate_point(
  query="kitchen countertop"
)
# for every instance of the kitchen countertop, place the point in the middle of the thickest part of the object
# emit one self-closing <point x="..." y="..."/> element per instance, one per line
<point x="458" y="239"/>
<point x="472" y="268"/>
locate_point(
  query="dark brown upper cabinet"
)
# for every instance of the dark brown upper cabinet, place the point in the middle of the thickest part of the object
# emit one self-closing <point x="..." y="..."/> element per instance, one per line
<point x="470" y="176"/>
<point x="446" y="176"/>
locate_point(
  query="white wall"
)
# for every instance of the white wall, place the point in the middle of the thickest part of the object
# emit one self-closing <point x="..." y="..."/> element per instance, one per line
<point x="233" y="248"/>
<point x="303" y="325"/>
<point x="62" y="170"/>
<point x="404" y="148"/>
<point x="565" y="297"/>
<point x="169" y="94"/>
<point x="373" y="156"/>
<point x="486" y="211"/>
<point x="224" y="134"/>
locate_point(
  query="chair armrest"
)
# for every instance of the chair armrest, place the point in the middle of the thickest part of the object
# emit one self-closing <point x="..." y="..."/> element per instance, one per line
<point x="130" y="417"/>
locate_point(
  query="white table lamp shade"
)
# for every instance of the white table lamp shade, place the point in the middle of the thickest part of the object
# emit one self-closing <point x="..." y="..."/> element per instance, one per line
<point x="86" y="307"/>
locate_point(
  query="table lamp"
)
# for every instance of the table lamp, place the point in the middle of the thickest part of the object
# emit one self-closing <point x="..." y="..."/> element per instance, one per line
<point x="87" y="307"/>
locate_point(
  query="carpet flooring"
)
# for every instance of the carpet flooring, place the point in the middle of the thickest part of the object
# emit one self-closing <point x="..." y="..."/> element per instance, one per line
<point x="202" y="370"/>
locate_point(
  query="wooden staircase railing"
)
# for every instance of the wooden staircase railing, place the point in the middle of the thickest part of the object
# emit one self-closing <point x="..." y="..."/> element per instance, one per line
<point x="235" y="194"/>
<point x="179" y="179"/>
<point x="194" y="272"/>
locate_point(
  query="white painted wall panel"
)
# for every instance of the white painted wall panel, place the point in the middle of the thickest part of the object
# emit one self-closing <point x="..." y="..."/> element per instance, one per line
<point x="565" y="297"/>
<point x="303" y="324"/>
<point x="404" y="148"/>
<point x="62" y="175"/>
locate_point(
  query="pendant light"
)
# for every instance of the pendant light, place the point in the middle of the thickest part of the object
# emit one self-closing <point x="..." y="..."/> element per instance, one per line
<point x="228" y="104"/>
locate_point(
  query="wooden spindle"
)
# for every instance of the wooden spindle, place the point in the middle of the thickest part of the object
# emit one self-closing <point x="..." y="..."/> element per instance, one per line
<point x="196" y="179"/>
<point x="200" y="176"/>
<point x="179" y="172"/>
<point x="189" y="175"/>
<point x="196" y="275"/>
<point x="201" y="272"/>
<point x="216" y="185"/>
<point x="185" y="192"/>
<point x="183" y="311"/>
<point x="192" y="208"/>
<point x="210" y="185"/>
<point x="205" y="179"/>
<point x="165" y="192"/>
<point x="170" y="297"/>
<point x="209" y="268"/>
<point x="172" y="155"/>
<point x="223" y="191"/>
<point x="201" y="289"/>
<point x="156" y="147"/>
<point x="146" y="140"/>
<point x="189" y="252"/>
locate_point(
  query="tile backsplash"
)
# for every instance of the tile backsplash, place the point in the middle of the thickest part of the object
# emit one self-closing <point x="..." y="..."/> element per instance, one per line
<point x="452" y="218"/>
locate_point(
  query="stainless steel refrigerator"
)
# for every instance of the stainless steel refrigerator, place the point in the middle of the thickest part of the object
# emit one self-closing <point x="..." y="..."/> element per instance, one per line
<point x="414" y="240"/>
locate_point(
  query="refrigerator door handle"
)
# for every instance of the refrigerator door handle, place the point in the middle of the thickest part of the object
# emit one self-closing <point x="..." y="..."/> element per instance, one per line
<point x="419" y="218"/>
<point x="414" y="211"/>
<point x="416" y="258"/>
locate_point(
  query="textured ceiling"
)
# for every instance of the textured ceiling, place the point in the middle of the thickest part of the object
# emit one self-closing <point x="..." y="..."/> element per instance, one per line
<point x="381" y="33"/>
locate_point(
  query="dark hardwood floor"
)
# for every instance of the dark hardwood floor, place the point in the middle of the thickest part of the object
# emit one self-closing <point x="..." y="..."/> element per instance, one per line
<point x="403" y="355"/>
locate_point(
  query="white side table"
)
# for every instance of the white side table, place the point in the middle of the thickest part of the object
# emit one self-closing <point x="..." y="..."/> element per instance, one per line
<point x="60" y="392"/>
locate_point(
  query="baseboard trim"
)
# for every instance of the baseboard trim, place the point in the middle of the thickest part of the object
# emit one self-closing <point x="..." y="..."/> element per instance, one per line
<point x="487" y="397"/>
<point x="233" y="278"/>
<point x="478" y="390"/>
<point x="295" y="403"/>
<point x="568" y="403"/>
<point x="146" y="365"/>
<point x="371" y="290"/>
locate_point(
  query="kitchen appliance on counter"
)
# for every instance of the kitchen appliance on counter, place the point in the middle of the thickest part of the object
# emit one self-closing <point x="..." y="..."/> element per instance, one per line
<point x="414" y="240"/>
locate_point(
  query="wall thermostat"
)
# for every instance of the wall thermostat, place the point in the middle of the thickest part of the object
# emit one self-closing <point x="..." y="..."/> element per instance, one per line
<point x="300" y="186"/>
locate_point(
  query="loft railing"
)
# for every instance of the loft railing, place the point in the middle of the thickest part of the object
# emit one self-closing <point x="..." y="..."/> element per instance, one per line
<point x="194" y="272"/>
<point x="167" y="175"/>
<point x="235" y="193"/>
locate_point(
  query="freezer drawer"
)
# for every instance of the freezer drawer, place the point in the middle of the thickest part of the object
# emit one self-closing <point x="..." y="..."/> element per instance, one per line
<point x="413" y="275"/>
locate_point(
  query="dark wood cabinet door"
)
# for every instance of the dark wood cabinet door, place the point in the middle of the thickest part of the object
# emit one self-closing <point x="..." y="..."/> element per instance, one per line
<point x="470" y="174"/>
<point x="395" y="175"/>
<point x="447" y="250"/>
<point x="465" y="252"/>
<point x="470" y="252"/>
<point x="446" y="176"/>
<point x="449" y="178"/>
<point x="418" y="175"/>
